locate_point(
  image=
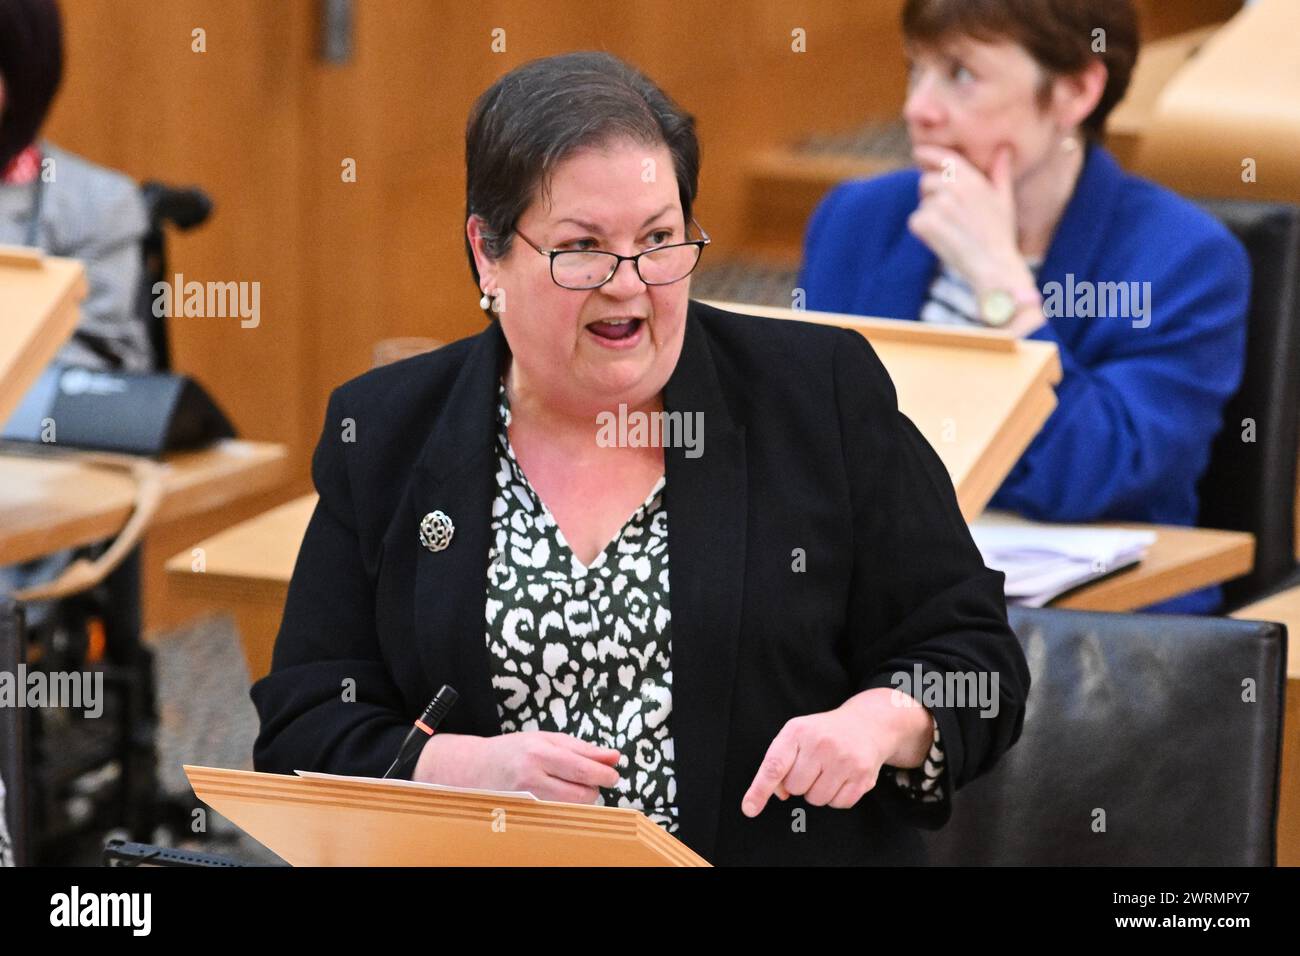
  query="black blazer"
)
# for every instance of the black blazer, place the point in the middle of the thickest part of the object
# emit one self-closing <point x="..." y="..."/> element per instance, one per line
<point x="803" y="449"/>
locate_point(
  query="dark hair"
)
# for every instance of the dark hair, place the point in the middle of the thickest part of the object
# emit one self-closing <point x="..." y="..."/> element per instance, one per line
<point x="1058" y="34"/>
<point x="539" y="113"/>
<point x="31" y="66"/>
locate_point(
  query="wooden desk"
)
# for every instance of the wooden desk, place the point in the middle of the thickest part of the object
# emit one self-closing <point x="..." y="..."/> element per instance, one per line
<point x="1285" y="607"/>
<point x="249" y="566"/>
<point x="1157" y="63"/>
<point x="1238" y="89"/>
<point x="48" y="504"/>
<point x="979" y="396"/>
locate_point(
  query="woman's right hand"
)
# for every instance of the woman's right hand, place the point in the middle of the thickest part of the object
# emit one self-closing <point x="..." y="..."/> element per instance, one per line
<point x="551" y="766"/>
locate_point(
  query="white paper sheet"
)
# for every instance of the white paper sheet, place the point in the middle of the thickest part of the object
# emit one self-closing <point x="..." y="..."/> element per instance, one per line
<point x="416" y="784"/>
<point x="1043" y="561"/>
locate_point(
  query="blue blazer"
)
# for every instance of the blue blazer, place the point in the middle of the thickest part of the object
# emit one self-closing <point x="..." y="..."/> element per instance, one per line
<point x="1141" y="397"/>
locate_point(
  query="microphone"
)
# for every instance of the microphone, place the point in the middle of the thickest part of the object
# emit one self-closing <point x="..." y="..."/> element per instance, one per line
<point x="419" y="735"/>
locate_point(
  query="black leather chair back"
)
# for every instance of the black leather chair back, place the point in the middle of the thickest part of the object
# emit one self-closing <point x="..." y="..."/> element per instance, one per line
<point x="181" y="207"/>
<point x="1148" y="740"/>
<point x="1250" y="486"/>
<point x="13" y="732"/>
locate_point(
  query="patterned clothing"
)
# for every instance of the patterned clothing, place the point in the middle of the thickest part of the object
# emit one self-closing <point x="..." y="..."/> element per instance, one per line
<point x="926" y="785"/>
<point x="587" y="651"/>
<point x="951" y="301"/>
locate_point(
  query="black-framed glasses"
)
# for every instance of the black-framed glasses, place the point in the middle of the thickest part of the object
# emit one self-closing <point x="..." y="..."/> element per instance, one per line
<point x="582" y="269"/>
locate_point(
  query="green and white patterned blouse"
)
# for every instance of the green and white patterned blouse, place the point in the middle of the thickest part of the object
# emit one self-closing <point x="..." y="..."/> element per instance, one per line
<point x="587" y="651"/>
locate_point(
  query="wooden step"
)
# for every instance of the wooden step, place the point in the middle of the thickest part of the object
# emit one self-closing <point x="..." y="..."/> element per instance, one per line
<point x="746" y="279"/>
<point x="786" y="183"/>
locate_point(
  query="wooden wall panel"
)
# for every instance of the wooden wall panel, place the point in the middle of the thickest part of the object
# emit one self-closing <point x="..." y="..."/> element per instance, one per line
<point x="137" y="98"/>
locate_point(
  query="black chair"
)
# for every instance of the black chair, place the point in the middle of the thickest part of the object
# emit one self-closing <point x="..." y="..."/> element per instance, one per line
<point x="1249" y="486"/>
<point x="183" y="208"/>
<point x="60" y="756"/>
<point x="13" y="733"/>
<point x="1136" y="722"/>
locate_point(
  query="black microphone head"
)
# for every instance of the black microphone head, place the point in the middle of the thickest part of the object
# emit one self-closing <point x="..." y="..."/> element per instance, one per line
<point x="441" y="703"/>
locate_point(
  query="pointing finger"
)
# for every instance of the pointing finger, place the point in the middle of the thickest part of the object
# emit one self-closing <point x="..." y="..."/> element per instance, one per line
<point x="778" y="760"/>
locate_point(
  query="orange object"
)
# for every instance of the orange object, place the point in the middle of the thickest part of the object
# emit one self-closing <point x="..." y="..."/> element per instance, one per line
<point x="96" y="640"/>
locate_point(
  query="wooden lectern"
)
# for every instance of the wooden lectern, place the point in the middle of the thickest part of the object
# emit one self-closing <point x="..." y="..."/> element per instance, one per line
<point x="978" y="396"/>
<point x="1227" y="121"/>
<point x="322" y="820"/>
<point x="40" y="295"/>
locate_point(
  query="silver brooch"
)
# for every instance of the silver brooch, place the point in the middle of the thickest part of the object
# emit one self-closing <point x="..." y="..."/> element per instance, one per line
<point x="436" y="530"/>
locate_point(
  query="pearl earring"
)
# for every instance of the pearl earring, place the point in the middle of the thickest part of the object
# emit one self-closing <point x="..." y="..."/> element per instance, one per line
<point x="484" y="302"/>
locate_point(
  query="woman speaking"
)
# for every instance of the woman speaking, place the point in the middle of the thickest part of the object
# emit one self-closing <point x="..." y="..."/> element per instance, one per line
<point x="739" y="635"/>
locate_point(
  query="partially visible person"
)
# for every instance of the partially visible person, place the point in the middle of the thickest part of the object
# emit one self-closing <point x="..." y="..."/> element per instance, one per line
<point x="64" y="204"/>
<point x="1014" y="213"/>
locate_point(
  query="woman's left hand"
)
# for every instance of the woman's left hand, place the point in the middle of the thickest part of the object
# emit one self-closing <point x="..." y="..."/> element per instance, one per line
<point x="833" y="758"/>
<point x="967" y="219"/>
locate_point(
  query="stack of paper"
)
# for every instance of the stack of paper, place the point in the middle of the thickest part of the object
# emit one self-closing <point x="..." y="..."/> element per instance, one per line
<point x="1042" y="562"/>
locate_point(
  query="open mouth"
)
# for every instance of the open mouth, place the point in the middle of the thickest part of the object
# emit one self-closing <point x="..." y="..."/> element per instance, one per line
<point x="615" y="330"/>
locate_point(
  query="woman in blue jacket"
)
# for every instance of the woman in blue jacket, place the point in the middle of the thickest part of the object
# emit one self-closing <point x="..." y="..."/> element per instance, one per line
<point x="1016" y="217"/>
